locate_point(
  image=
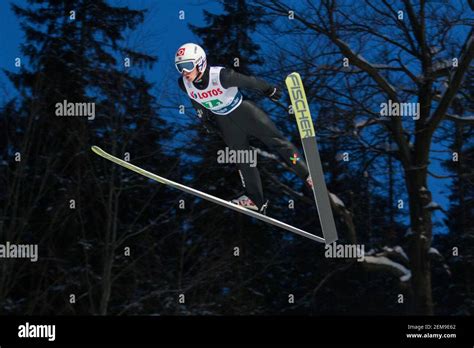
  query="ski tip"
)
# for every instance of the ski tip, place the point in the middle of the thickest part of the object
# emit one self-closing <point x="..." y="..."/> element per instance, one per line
<point x="97" y="149"/>
<point x="294" y="73"/>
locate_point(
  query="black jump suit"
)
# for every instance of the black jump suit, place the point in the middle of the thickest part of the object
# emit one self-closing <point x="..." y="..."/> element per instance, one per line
<point x="248" y="119"/>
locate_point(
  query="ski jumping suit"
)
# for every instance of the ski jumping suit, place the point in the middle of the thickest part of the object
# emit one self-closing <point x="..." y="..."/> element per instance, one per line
<point x="217" y="94"/>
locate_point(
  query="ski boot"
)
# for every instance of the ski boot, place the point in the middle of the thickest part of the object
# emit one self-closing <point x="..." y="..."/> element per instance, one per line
<point x="246" y="202"/>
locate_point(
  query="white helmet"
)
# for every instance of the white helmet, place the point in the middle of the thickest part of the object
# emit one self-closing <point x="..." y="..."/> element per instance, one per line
<point x="190" y="56"/>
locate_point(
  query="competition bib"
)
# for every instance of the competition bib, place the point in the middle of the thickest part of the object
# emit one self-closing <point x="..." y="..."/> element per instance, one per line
<point x="215" y="98"/>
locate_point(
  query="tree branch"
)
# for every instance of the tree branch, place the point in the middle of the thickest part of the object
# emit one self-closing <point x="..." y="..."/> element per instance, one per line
<point x="454" y="84"/>
<point x="459" y="119"/>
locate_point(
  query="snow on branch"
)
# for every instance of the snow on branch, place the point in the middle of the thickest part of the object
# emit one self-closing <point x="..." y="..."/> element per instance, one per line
<point x="434" y="206"/>
<point x="396" y="254"/>
<point x="364" y="123"/>
<point x="459" y="119"/>
<point x="336" y="200"/>
<point x="382" y="263"/>
<point x="434" y="251"/>
<point x="436" y="255"/>
<point x="264" y="153"/>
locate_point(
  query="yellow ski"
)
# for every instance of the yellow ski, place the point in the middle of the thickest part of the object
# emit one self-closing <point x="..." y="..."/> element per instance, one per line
<point x="310" y="147"/>
<point x="206" y="196"/>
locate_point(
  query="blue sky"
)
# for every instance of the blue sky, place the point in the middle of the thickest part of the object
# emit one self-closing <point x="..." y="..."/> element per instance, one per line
<point x="161" y="34"/>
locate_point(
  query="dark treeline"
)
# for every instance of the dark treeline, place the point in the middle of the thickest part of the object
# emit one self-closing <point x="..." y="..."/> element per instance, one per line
<point x="113" y="242"/>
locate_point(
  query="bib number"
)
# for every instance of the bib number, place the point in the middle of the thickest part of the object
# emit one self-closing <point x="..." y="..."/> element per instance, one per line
<point x="212" y="103"/>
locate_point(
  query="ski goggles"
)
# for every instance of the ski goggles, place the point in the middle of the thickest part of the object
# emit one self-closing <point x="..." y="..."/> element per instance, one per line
<point x="187" y="66"/>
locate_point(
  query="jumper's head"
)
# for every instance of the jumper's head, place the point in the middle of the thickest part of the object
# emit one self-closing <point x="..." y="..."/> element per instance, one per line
<point x="190" y="61"/>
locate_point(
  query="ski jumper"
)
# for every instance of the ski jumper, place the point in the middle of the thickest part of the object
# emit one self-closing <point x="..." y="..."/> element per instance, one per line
<point x="217" y="95"/>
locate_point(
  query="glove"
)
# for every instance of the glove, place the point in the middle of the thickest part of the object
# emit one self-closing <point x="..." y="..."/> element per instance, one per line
<point x="274" y="94"/>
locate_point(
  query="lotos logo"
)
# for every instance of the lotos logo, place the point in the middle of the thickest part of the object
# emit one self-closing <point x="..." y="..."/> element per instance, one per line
<point x="208" y="94"/>
<point x="181" y="52"/>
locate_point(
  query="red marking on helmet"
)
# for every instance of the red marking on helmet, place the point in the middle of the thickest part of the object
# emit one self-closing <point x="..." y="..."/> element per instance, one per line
<point x="181" y="51"/>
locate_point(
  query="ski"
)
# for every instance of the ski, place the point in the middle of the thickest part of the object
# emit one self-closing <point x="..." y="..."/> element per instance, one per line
<point x="310" y="147"/>
<point x="205" y="196"/>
